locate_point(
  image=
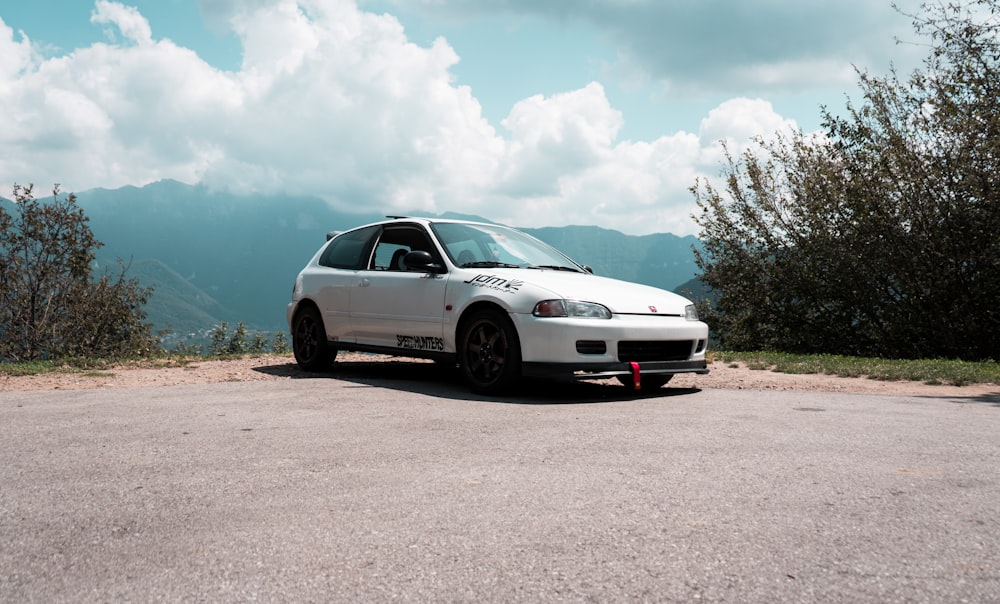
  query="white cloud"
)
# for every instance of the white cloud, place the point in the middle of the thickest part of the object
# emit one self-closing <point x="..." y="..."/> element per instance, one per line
<point x="126" y="19"/>
<point x="336" y="102"/>
<point x="564" y="164"/>
<point x="14" y="56"/>
<point x="739" y="120"/>
<point x="556" y="136"/>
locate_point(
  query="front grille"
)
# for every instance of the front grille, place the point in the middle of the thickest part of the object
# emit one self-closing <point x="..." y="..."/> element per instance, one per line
<point x="648" y="351"/>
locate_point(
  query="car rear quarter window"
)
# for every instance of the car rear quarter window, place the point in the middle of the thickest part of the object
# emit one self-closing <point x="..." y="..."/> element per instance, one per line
<point x="349" y="250"/>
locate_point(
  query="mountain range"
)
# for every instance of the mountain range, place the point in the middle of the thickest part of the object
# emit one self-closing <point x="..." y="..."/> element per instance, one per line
<point x="212" y="256"/>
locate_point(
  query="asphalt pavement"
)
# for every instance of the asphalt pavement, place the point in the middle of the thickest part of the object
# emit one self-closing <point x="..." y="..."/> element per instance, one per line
<point x="401" y="486"/>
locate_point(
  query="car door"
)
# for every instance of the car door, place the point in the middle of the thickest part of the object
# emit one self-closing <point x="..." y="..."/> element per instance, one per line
<point x="335" y="276"/>
<point x="396" y="308"/>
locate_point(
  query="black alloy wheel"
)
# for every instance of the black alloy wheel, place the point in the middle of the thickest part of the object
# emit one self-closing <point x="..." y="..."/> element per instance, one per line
<point x="312" y="352"/>
<point x="490" y="352"/>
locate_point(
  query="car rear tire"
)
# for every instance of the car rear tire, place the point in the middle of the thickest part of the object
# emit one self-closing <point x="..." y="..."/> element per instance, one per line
<point x="648" y="382"/>
<point x="312" y="351"/>
<point x="490" y="352"/>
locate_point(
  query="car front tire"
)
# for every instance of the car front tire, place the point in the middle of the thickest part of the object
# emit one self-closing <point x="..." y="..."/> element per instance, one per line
<point x="312" y="352"/>
<point x="490" y="352"/>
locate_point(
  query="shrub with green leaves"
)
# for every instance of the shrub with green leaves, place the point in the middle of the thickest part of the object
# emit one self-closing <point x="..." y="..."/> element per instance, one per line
<point x="879" y="237"/>
<point x="51" y="305"/>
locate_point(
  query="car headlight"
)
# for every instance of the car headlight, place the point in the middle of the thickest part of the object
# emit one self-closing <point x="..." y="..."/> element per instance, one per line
<point x="691" y="312"/>
<point x="570" y="308"/>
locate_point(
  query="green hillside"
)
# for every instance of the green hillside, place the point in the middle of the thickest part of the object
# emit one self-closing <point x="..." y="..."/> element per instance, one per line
<point x="176" y="304"/>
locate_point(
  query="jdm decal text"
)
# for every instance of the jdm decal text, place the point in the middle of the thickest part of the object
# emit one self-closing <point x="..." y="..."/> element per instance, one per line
<point x="497" y="283"/>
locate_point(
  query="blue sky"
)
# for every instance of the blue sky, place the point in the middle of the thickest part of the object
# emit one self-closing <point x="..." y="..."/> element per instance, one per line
<point x="529" y="112"/>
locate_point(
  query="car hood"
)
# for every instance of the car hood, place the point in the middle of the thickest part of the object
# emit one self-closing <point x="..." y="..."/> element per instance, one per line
<point x="620" y="297"/>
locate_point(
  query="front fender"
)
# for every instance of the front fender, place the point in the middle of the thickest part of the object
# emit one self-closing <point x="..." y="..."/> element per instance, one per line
<point x="507" y="289"/>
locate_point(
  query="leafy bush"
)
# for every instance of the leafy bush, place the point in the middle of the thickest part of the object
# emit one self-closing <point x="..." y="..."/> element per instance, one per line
<point x="50" y="305"/>
<point x="878" y="238"/>
<point x="223" y="344"/>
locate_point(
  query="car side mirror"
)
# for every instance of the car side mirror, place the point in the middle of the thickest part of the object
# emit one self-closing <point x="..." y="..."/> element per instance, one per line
<point x="419" y="260"/>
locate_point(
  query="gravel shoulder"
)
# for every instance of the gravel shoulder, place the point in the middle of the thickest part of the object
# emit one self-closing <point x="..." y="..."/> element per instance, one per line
<point x="278" y="367"/>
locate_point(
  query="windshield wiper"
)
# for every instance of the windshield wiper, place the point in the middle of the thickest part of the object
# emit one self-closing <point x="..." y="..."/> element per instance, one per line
<point x="557" y="268"/>
<point x="489" y="264"/>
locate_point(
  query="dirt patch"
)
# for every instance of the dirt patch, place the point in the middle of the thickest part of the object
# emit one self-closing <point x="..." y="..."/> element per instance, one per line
<point x="275" y="367"/>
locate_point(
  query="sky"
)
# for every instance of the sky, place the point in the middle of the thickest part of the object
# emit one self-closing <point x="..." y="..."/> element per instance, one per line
<point x="527" y="112"/>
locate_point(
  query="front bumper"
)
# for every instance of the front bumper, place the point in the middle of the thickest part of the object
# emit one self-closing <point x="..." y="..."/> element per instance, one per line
<point x="597" y="348"/>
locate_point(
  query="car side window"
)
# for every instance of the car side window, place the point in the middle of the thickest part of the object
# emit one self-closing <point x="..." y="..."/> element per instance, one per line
<point x="394" y="243"/>
<point x="348" y="251"/>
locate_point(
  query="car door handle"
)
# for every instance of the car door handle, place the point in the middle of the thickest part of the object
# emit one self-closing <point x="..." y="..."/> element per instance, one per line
<point x="364" y="282"/>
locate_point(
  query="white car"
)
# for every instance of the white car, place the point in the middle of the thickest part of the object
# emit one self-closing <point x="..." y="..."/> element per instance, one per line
<point x="497" y="302"/>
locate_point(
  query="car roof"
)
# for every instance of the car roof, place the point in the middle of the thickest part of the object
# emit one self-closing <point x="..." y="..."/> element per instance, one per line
<point x="426" y="220"/>
<point x="423" y="220"/>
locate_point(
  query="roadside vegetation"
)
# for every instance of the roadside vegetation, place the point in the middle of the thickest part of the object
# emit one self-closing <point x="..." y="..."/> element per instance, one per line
<point x="224" y="345"/>
<point x="877" y="236"/>
<point x="51" y="304"/>
<point x="238" y="343"/>
<point x="935" y="371"/>
<point x="55" y="312"/>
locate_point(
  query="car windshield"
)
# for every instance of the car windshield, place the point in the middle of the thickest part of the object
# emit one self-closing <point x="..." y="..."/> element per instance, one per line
<point x="479" y="245"/>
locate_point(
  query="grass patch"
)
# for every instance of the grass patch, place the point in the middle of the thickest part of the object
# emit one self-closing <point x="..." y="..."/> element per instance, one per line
<point x="932" y="371"/>
<point x="96" y="367"/>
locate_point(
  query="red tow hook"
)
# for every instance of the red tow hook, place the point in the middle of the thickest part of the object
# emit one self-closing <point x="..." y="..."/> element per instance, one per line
<point x="636" y="381"/>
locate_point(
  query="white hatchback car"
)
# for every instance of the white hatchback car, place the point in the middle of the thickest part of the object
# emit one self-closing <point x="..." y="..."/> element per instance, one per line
<point x="493" y="300"/>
